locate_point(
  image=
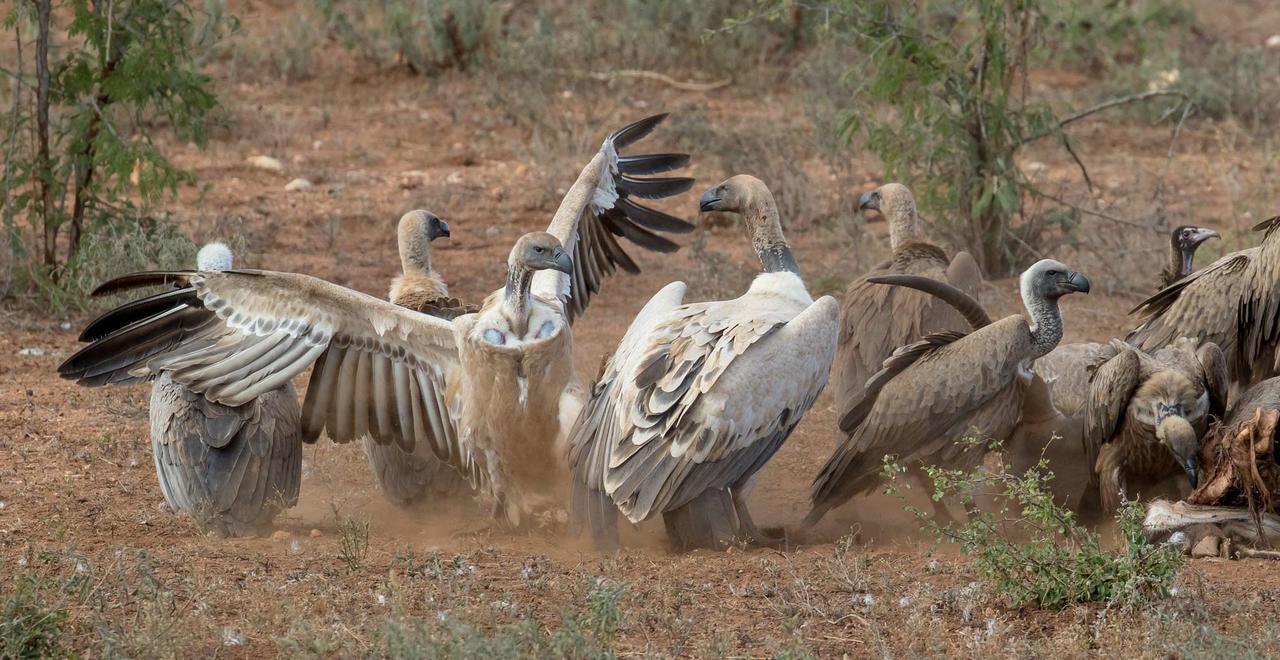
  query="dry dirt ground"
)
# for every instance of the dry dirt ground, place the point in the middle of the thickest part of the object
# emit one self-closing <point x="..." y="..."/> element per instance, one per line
<point x="76" y="479"/>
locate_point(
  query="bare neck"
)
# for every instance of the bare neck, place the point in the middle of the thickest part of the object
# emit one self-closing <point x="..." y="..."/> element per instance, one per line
<point x="515" y="298"/>
<point x="904" y="227"/>
<point x="765" y="226"/>
<point x="415" y="255"/>
<point x="1180" y="264"/>
<point x="1046" y="324"/>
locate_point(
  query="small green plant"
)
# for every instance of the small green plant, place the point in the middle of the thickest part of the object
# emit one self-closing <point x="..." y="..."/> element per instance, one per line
<point x="1035" y="552"/>
<point x="33" y="615"/>
<point x="426" y="36"/>
<point x="353" y="542"/>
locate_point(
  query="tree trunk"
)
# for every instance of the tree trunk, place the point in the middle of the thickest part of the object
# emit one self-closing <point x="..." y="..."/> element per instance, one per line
<point x="44" y="166"/>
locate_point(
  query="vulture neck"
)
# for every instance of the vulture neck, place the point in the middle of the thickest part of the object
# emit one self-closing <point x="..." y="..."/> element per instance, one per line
<point x="515" y="297"/>
<point x="415" y="255"/>
<point x="766" y="234"/>
<point x="904" y="228"/>
<point x="1180" y="264"/>
<point x="1046" y="322"/>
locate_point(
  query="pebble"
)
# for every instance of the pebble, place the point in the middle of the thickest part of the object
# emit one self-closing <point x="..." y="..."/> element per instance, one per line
<point x="298" y="185"/>
<point x="32" y="352"/>
<point x="65" y="325"/>
<point x="454" y="178"/>
<point x="265" y="163"/>
<point x="315" y="533"/>
<point x="1273" y="41"/>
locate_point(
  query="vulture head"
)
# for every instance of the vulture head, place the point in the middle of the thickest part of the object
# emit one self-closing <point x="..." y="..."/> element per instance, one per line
<point x="415" y="232"/>
<point x="895" y="204"/>
<point x="213" y="257"/>
<point x="1185" y="240"/>
<point x="1049" y="280"/>
<point x="1168" y="401"/>
<point x="737" y="194"/>
<point x="540" y="251"/>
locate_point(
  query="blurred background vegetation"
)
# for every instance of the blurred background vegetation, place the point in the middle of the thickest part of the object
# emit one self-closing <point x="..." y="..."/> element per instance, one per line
<point x="945" y="93"/>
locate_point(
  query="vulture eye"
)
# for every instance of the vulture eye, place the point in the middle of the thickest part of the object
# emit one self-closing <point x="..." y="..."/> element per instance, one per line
<point x="1052" y="273"/>
<point x="539" y="249"/>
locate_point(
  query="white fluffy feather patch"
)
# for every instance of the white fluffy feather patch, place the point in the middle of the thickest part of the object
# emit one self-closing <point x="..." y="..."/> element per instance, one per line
<point x="213" y="257"/>
<point x="786" y="285"/>
<point x="606" y="192"/>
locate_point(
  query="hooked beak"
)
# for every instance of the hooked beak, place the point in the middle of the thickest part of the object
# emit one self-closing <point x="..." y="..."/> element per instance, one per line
<point x="437" y="229"/>
<point x="1189" y="466"/>
<point x="1202" y="234"/>
<point x="869" y="200"/>
<point x="562" y="261"/>
<point x="709" y="201"/>
<point x="1077" y="283"/>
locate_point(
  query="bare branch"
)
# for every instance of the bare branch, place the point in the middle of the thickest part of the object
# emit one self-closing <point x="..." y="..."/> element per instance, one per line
<point x="683" y="85"/>
<point x="1105" y="105"/>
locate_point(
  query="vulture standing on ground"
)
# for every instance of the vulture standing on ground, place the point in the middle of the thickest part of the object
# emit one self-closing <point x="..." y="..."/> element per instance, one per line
<point x="699" y="396"/>
<point x="490" y="393"/>
<point x="877" y="319"/>
<point x="1233" y="302"/>
<point x="232" y="467"/>
<point x="1147" y="412"/>
<point x="407" y="478"/>
<point x="1183" y="243"/>
<point x="931" y="395"/>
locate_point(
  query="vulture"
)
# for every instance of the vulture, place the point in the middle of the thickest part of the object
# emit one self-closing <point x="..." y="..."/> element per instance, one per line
<point x="1183" y="243"/>
<point x="875" y="319"/>
<point x="232" y="467"/>
<point x="407" y="478"/>
<point x="1146" y="413"/>
<point x="933" y="394"/>
<point x="491" y="393"/>
<point x="1233" y="302"/>
<point x="697" y="397"/>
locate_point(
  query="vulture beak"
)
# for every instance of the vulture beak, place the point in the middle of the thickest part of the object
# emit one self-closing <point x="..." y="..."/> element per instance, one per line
<point x="709" y="201"/>
<point x="1076" y="283"/>
<point x="1189" y="466"/>
<point x="1173" y="430"/>
<point x="1202" y="234"/>
<point x="437" y="228"/>
<point x="869" y="200"/>
<point x="561" y="261"/>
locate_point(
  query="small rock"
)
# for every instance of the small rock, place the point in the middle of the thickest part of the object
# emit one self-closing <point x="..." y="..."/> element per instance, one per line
<point x="265" y="163"/>
<point x="521" y="169"/>
<point x="315" y="146"/>
<point x="298" y="159"/>
<point x="454" y="178"/>
<point x="491" y="232"/>
<point x="32" y="352"/>
<point x="298" y="185"/>
<point x="295" y="547"/>
<point x="65" y="325"/>
<point x="1206" y="547"/>
<point x="1273" y="41"/>
<point x="232" y="637"/>
<point x="281" y="535"/>
<point x="315" y="533"/>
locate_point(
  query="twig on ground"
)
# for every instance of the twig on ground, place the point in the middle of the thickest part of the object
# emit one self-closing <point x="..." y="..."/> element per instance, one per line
<point x="683" y="85"/>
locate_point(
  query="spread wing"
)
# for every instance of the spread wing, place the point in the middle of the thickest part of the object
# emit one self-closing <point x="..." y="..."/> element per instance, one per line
<point x="701" y="402"/>
<point x="875" y="319"/>
<point x="1112" y="385"/>
<point x="927" y="395"/>
<point x="232" y="336"/>
<point x="602" y="206"/>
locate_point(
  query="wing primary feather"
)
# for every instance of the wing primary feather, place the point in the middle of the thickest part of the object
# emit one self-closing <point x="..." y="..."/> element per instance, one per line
<point x="143" y="279"/>
<point x="655" y="188"/>
<point x="635" y="131"/>
<point x="137" y="310"/>
<point x="651" y="163"/>
<point x="652" y="219"/>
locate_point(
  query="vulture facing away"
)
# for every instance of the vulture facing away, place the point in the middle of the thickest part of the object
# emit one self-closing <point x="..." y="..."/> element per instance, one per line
<point x="490" y="393"/>
<point x="875" y="319"/>
<point x="699" y="396"/>
<point x="1233" y="302"/>
<point x="1147" y="412"/>
<point x="233" y="468"/>
<point x="932" y="395"/>
<point x="407" y="478"/>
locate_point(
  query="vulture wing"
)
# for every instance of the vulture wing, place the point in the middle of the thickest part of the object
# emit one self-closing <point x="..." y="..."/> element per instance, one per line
<point x="1213" y="365"/>
<point x="1112" y="385"/>
<point x="928" y="397"/>
<point x="877" y="319"/>
<point x="697" y="399"/>
<point x="601" y="205"/>
<point x="232" y="336"/>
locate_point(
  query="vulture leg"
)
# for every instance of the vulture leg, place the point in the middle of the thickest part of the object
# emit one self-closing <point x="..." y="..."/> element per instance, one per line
<point x="706" y="521"/>
<point x="594" y="509"/>
<point x="747" y="530"/>
<point x="941" y="514"/>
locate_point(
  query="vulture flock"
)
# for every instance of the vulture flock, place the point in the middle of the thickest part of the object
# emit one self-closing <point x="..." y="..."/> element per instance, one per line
<point x="453" y="400"/>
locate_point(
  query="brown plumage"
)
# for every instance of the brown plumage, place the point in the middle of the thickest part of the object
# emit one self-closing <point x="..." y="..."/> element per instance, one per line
<point x="394" y="374"/>
<point x="1183" y="243"/>
<point x="1146" y="414"/>
<point x="1233" y="302"/>
<point x="409" y="477"/>
<point x="933" y="394"/>
<point x="875" y="319"/>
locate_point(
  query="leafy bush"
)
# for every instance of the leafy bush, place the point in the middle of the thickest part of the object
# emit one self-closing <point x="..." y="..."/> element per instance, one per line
<point x="1036" y="552"/>
<point x="427" y="36"/>
<point x="33" y="616"/>
<point x="79" y="159"/>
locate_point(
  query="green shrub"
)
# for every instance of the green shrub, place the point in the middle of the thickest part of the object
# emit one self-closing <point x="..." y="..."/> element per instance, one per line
<point x="33" y="616"/>
<point x="1035" y="552"/>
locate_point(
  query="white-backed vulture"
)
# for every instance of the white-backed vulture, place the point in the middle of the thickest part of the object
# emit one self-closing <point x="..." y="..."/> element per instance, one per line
<point x="1146" y="414"/>
<point x="490" y="392"/>
<point x="699" y="396"/>
<point x="1233" y="302"/>
<point x="232" y="468"/>
<point x="933" y="394"/>
<point x="875" y="319"/>
<point x="1183" y="243"/>
<point x="407" y="478"/>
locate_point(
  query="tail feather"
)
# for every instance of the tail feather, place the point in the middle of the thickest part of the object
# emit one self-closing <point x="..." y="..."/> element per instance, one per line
<point x="706" y="521"/>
